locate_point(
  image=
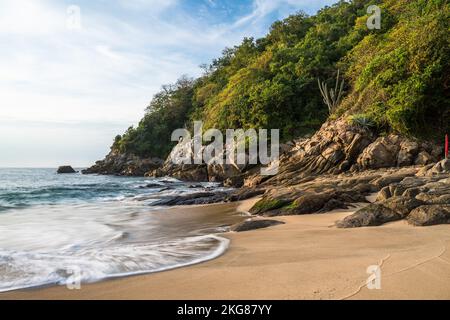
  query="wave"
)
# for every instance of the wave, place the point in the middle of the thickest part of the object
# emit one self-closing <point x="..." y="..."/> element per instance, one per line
<point x="103" y="226"/>
<point x="32" y="269"/>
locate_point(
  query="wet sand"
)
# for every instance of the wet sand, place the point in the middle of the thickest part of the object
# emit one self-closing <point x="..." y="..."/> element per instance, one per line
<point x="306" y="258"/>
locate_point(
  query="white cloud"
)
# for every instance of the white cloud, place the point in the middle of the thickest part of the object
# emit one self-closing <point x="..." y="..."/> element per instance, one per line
<point x="105" y="72"/>
<point x="21" y="17"/>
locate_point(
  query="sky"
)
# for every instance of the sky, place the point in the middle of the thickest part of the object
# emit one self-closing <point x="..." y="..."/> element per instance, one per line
<point x="74" y="74"/>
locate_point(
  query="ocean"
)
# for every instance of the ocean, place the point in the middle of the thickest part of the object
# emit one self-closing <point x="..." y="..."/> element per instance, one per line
<point x="53" y="226"/>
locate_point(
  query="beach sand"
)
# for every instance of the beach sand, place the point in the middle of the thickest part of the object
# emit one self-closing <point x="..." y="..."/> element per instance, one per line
<point x="306" y="258"/>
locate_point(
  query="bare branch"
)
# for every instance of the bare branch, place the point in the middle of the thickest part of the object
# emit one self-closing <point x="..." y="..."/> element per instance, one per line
<point x="331" y="97"/>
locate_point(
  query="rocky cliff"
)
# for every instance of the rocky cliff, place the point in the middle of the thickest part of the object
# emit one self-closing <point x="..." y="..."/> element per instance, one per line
<point x="340" y="146"/>
<point x="339" y="166"/>
<point x="116" y="163"/>
<point x="343" y="164"/>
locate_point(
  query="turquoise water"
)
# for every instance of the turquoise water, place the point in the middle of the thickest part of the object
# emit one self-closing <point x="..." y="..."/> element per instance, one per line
<point x="99" y="226"/>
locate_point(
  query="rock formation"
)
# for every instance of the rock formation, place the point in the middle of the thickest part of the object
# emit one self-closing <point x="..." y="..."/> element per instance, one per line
<point x="124" y="164"/>
<point x="340" y="146"/>
<point x="65" y="169"/>
<point x="422" y="199"/>
<point x="255" y="224"/>
<point x="232" y="173"/>
<point x="339" y="166"/>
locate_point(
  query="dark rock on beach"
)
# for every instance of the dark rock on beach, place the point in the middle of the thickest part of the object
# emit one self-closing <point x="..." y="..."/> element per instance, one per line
<point x="372" y="215"/>
<point x="193" y="198"/>
<point x="255" y="224"/>
<point x="430" y="215"/>
<point x="376" y="214"/>
<point x="422" y="199"/>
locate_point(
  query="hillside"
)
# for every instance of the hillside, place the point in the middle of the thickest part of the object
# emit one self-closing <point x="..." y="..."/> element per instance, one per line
<point x="396" y="79"/>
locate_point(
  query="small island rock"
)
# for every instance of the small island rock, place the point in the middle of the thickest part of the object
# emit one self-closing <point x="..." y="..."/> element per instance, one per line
<point x="65" y="169"/>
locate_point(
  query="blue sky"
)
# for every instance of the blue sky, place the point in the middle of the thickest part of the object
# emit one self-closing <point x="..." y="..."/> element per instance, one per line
<point x="68" y="85"/>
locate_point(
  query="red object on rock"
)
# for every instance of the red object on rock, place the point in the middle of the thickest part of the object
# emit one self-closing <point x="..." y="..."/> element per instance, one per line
<point x="446" y="146"/>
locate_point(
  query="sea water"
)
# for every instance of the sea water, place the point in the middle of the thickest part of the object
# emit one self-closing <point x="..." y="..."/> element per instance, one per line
<point x="99" y="226"/>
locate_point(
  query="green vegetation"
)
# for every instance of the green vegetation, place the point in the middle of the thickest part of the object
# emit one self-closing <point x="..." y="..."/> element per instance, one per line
<point x="168" y="111"/>
<point x="400" y="77"/>
<point x="396" y="78"/>
<point x="361" y="120"/>
<point x="264" y="205"/>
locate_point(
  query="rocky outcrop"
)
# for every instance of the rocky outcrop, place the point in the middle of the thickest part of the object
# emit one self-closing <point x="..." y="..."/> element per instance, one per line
<point x="372" y="215"/>
<point x="332" y="149"/>
<point x="376" y="214"/>
<point x="430" y="215"/>
<point x="397" y="151"/>
<point x="400" y="192"/>
<point x="339" y="166"/>
<point x="117" y="163"/>
<point x="422" y="199"/>
<point x="180" y="164"/>
<point x="205" y="197"/>
<point x="183" y="172"/>
<point x="65" y="169"/>
<point x="340" y="146"/>
<point x="321" y="193"/>
<point x="441" y="167"/>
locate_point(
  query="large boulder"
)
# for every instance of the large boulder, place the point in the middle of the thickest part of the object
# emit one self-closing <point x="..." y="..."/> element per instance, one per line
<point x="65" y="169"/>
<point x="378" y="213"/>
<point x="428" y="215"/>
<point x="407" y="153"/>
<point x="372" y="215"/>
<point x="394" y="150"/>
<point x="255" y="224"/>
<point x="421" y="200"/>
<point x="423" y="158"/>
<point x="382" y="153"/>
<point x="202" y="197"/>
<point x="401" y="205"/>
<point x="315" y="202"/>
<point x="267" y="204"/>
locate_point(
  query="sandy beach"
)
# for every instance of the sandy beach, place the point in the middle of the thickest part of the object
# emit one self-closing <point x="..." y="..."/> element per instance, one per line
<point x="306" y="258"/>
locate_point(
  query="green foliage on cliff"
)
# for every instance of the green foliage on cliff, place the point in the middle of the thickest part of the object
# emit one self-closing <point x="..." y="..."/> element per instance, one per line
<point x="397" y="77"/>
<point x="400" y="77"/>
<point x="167" y="111"/>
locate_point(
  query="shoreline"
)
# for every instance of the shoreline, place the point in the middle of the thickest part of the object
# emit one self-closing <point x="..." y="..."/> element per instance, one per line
<point x="305" y="258"/>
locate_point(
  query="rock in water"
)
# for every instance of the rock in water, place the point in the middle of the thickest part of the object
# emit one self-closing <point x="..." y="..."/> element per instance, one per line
<point x="65" y="169"/>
